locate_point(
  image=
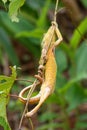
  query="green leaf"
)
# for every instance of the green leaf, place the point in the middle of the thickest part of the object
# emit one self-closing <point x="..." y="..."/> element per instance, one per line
<point x="61" y="80"/>
<point x="13" y="9"/>
<point x="75" y="96"/>
<point x="12" y="27"/>
<point x="50" y="126"/>
<point x="78" y="34"/>
<point x="37" y="33"/>
<point x="84" y="2"/>
<point x="42" y="19"/>
<point x="32" y="47"/>
<point x="81" y="62"/>
<point x="81" y="125"/>
<point x="4" y="1"/>
<point x="35" y="5"/>
<point x="47" y="116"/>
<point x="5" y="87"/>
<point x="71" y="82"/>
<point x="4" y="123"/>
<point x="83" y="117"/>
<point x="6" y="44"/>
<point x="80" y="68"/>
<point x="23" y="25"/>
<point x="61" y="60"/>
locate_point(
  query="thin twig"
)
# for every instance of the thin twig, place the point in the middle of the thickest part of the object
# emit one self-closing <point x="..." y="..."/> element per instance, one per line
<point x="24" y="80"/>
<point x="32" y="127"/>
<point x="36" y="82"/>
<point x="56" y="10"/>
<point x="13" y="95"/>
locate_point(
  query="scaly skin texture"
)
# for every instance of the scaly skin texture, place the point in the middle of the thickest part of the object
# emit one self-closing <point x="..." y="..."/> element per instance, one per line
<point x="48" y="85"/>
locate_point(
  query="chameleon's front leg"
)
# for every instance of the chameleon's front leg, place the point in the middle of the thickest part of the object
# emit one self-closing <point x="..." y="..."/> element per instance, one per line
<point x="58" y="34"/>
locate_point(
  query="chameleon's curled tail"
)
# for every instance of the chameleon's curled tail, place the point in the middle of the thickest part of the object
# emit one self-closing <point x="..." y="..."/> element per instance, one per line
<point x="32" y="100"/>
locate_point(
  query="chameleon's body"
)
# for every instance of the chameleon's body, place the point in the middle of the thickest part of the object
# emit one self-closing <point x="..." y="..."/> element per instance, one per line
<point x="49" y="82"/>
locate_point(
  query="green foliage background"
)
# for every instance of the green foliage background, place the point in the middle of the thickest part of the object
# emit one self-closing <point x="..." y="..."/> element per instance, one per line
<point x="30" y="24"/>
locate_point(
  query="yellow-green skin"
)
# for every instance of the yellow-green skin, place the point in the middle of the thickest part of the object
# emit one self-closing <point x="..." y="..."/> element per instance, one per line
<point x="50" y="72"/>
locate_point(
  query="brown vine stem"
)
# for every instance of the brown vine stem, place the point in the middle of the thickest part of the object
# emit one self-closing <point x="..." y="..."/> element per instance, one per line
<point x="56" y="10"/>
<point x="13" y="95"/>
<point x="36" y="82"/>
<point x="24" y="80"/>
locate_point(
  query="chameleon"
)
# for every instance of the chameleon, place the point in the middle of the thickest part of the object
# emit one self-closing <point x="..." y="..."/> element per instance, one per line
<point x="48" y="62"/>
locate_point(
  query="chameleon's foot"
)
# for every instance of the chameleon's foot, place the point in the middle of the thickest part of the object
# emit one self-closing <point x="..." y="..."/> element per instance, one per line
<point x="39" y="78"/>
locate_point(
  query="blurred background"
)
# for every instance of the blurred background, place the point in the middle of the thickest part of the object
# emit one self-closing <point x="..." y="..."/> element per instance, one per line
<point x="20" y="45"/>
